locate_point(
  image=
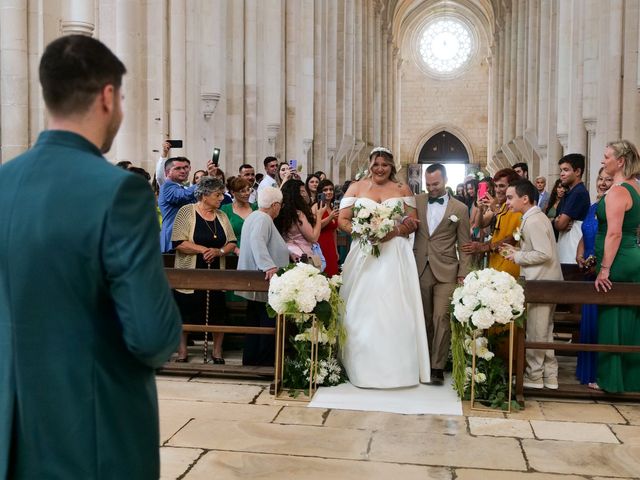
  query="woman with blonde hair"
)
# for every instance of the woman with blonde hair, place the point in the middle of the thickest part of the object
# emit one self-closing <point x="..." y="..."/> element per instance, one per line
<point x="618" y="256"/>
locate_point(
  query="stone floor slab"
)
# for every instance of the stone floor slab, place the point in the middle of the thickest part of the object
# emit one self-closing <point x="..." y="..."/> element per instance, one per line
<point x="581" y="412"/>
<point x="574" y="431"/>
<point x="273" y="438"/>
<point x="460" y="450"/>
<point x="553" y="456"/>
<point x="301" y="416"/>
<point x="175" y="461"/>
<point x="532" y="411"/>
<point x="627" y="434"/>
<point x="500" y="427"/>
<point x="208" y="392"/>
<point x="236" y="466"/>
<point x="630" y="412"/>
<point x="469" y="474"/>
<point x="396" y="422"/>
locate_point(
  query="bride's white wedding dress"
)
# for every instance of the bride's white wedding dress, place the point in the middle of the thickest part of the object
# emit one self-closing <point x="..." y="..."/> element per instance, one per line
<point x="386" y="344"/>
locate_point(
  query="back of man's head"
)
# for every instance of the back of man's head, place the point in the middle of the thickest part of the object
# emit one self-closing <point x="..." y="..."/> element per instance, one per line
<point x="576" y="160"/>
<point x="73" y="70"/>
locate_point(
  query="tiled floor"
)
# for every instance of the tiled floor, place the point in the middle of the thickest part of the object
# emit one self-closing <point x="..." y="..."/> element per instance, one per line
<point x="232" y="429"/>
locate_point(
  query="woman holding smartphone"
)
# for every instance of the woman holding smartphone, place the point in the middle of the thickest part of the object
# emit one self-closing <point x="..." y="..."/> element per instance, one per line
<point x="329" y="224"/>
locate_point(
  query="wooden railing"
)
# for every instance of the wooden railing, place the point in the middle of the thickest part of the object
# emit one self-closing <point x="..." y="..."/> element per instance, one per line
<point x="573" y="292"/>
<point x="235" y="280"/>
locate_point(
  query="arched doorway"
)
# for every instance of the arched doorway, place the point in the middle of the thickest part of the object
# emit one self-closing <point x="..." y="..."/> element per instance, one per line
<point x="443" y="147"/>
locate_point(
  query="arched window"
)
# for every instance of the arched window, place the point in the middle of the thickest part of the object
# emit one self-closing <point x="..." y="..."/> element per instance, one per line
<point x="446" y="46"/>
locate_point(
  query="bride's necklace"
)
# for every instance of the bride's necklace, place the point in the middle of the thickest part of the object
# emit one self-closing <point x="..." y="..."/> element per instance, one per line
<point x="214" y="230"/>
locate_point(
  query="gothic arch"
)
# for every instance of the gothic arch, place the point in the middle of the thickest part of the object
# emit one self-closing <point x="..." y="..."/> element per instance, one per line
<point x="417" y="147"/>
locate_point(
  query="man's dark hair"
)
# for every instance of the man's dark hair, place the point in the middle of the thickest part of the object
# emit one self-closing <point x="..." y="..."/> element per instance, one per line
<point x="169" y="162"/>
<point x="437" y="167"/>
<point x="268" y="160"/>
<point x="124" y="164"/>
<point x="73" y="70"/>
<point x="141" y="171"/>
<point x="525" y="187"/>
<point x="576" y="160"/>
<point x="523" y="166"/>
<point x="244" y="165"/>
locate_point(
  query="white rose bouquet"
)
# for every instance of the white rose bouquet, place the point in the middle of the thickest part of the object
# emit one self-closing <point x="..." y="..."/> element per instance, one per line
<point x="301" y="290"/>
<point x="486" y="298"/>
<point x="371" y="225"/>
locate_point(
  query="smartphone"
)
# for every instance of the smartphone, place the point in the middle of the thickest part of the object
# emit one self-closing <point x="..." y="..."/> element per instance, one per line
<point x="293" y="164"/>
<point x="215" y="157"/>
<point x="322" y="198"/>
<point x="175" y="143"/>
<point x="482" y="190"/>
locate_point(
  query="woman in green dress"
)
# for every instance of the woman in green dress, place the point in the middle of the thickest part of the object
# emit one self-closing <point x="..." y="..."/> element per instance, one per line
<point x="619" y="261"/>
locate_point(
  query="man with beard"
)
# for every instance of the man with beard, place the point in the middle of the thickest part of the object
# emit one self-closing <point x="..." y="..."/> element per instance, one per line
<point x="86" y="313"/>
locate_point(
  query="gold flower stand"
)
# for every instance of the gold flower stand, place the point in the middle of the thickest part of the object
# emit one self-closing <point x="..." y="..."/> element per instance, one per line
<point x="281" y="392"/>
<point x="511" y="327"/>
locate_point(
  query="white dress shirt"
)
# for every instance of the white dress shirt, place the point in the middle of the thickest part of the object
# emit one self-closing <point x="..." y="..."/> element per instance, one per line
<point x="435" y="212"/>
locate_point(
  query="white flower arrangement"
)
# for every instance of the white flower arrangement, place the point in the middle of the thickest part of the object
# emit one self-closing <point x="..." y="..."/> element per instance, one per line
<point x="488" y="297"/>
<point x="370" y="225"/>
<point x="298" y="290"/>
<point x="301" y="290"/>
<point x="454" y="219"/>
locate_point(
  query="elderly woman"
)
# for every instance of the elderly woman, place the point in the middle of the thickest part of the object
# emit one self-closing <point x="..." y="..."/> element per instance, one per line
<point x="202" y="236"/>
<point x="618" y="257"/>
<point x="264" y="249"/>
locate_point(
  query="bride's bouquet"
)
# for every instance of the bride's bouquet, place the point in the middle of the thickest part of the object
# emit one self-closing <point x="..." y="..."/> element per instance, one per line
<point x="371" y="225"/>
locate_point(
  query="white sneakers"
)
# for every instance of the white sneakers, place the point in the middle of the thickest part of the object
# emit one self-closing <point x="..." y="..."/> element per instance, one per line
<point x="550" y="383"/>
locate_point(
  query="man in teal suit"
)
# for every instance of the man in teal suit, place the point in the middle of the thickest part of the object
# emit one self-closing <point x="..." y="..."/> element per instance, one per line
<point x="86" y="313"/>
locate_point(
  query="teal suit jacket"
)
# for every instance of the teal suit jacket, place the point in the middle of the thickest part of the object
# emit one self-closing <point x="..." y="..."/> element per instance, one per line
<point x="86" y="315"/>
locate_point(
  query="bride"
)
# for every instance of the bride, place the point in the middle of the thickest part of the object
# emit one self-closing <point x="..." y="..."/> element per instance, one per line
<point x="386" y="344"/>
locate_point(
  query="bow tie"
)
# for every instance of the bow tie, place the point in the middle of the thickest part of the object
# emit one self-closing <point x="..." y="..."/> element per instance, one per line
<point x="439" y="200"/>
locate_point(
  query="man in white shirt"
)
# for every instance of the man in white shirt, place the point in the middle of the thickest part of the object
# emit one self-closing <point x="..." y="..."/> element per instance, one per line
<point x="443" y="229"/>
<point x="247" y="172"/>
<point x="270" y="167"/>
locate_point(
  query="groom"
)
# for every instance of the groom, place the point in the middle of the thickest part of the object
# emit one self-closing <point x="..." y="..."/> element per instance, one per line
<point x="443" y="228"/>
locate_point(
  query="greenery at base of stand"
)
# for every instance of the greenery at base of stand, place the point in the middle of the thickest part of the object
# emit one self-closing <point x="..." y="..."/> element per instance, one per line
<point x="493" y="391"/>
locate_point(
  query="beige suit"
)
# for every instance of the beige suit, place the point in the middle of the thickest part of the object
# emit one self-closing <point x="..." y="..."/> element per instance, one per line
<point x="439" y="267"/>
<point x="538" y="260"/>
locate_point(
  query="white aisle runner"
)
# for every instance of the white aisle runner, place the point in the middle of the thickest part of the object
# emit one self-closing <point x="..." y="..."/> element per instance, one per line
<point x="431" y="399"/>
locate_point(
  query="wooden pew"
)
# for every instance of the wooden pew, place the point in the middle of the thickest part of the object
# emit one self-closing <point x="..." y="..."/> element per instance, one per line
<point x="240" y="280"/>
<point x="543" y="291"/>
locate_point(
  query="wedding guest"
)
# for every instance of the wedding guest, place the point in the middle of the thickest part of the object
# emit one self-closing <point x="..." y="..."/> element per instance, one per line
<point x="538" y="258"/>
<point x="461" y="195"/>
<point x="503" y="222"/>
<point x="297" y="224"/>
<point x="586" y="370"/>
<point x="202" y="237"/>
<point x="573" y="207"/>
<point x="173" y="195"/>
<point x="247" y="172"/>
<point x="618" y="257"/>
<point x="219" y="174"/>
<point x="264" y="249"/>
<point x="543" y="195"/>
<point x="86" y="314"/>
<point x="328" y="237"/>
<point x="555" y="197"/>
<point x="238" y="211"/>
<point x="269" y="178"/>
<point x="522" y="169"/>
<point x="443" y="229"/>
<point x="321" y="175"/>
<point x="197" y="176"/>
<point x="312" y="187"/>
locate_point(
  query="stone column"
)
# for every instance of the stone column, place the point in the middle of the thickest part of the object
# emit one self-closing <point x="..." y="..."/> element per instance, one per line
<point x="131" y="51"/>
<point x="78" y="17"/>
<point x="251" y="24"/>
<point x="544" y="78"/>
<point x="521" y="77"/>
<point x="532" y="66"/>
<point x="176" y="92"/>
<point x="513" y="71"/>
<point x="577" y="133"/>
<point x="306" y="74"/>
<point x="273" y="68"/>
<point x="14" y="80"/>
<point x="564" y="70"/>
<point x="506" y="81"/>
<point x="631" y="74"/>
